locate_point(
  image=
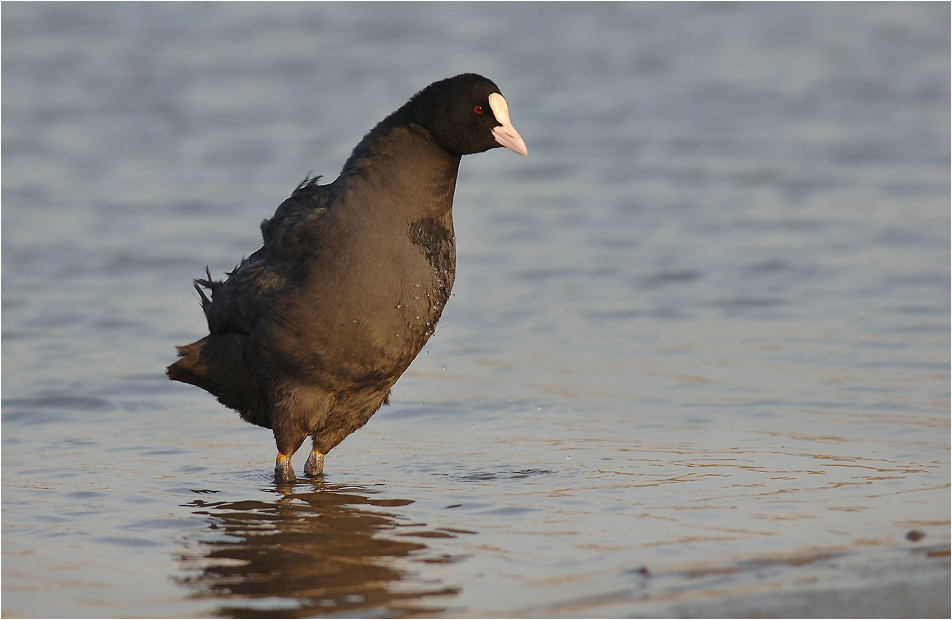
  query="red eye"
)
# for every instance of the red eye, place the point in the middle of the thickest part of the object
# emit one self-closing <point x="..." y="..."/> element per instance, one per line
<point x="478" y="109"/>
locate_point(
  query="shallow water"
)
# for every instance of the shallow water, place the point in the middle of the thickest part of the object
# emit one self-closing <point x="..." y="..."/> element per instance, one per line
<point x="696" y="362"/>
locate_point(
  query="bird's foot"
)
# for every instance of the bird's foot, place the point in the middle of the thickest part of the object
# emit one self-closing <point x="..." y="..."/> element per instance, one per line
<point x="283" y="472"/>
<point x="315" y="464"/>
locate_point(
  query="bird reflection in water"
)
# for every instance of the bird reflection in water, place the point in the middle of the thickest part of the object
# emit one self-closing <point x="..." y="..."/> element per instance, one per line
<point x="330" y="549"/>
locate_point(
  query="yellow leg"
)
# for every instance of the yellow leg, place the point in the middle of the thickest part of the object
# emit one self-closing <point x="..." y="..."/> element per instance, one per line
<point x="315" y="464"/>
<point x="282" y="469"/>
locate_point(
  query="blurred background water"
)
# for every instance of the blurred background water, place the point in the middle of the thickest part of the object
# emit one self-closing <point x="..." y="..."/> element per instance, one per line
<point x="697" y="361"/>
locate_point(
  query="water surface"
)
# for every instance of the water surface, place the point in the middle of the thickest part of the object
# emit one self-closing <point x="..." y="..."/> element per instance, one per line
<point x="696" y="362"/>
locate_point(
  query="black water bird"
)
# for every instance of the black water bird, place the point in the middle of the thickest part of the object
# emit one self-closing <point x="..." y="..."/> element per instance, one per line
<point x="309" y="333"/>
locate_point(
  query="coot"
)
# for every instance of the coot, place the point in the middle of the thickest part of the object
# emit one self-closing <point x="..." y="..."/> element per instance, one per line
<point x="309" y="333"/>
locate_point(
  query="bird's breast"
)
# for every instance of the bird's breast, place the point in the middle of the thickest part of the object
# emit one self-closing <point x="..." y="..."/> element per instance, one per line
<point x="382" y="297"/>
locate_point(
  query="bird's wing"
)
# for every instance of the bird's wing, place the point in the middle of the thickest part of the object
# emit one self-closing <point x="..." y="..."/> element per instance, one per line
<point x="294" y="232"/>
<point x="290" y="236"/>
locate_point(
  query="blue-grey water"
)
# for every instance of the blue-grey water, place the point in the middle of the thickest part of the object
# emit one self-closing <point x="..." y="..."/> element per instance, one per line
<point x="696" y="363"/>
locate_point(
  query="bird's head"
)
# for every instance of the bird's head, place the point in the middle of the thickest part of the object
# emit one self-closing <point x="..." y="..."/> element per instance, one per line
<point x="467" y="114"/>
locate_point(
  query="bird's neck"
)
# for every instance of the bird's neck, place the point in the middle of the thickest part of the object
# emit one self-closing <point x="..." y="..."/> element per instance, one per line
<point x="409" y="173"/>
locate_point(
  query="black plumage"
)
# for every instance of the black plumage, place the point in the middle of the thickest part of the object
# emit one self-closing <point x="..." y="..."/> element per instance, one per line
<point x="309" y="333"/>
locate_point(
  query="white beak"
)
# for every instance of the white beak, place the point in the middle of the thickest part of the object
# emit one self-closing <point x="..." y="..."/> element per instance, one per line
<point x="505" y="133"/>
